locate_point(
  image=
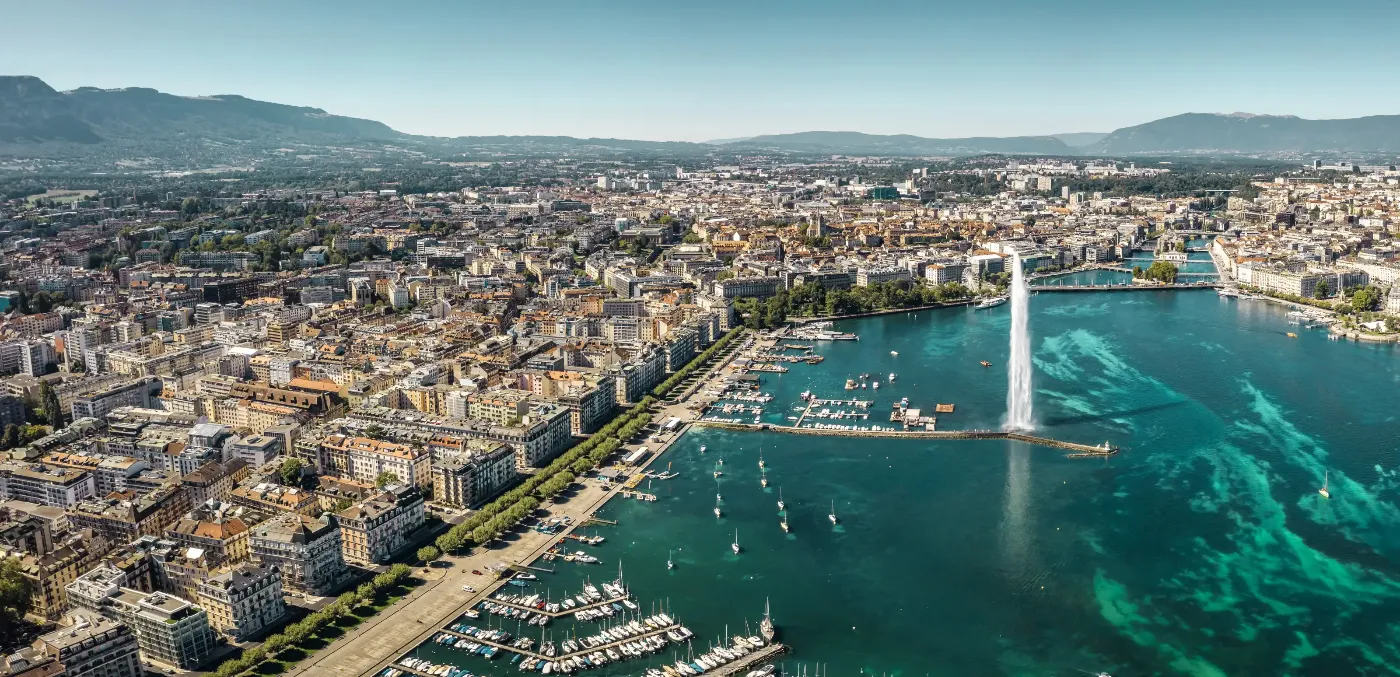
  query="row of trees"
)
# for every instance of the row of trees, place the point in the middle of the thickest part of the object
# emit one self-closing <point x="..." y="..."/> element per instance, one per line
<point x="814" y="300"/>
<point x="302" y="630"/>
<point x="689" y="368"/>
<point x="498" y="516"/>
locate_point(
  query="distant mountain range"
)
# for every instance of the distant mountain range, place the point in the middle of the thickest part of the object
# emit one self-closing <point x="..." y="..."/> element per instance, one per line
<point x="856" y="143"/>
<point x="1239" y="133"/>
<point x="33" y="112"/>
<point x="35" y="119"/>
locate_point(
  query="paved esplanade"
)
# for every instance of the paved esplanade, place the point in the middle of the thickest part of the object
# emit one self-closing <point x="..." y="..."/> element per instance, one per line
<point x="379" y="641"/>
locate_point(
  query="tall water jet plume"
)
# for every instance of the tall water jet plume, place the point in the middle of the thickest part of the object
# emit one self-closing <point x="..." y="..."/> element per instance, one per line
<point x="1018" y="368"/>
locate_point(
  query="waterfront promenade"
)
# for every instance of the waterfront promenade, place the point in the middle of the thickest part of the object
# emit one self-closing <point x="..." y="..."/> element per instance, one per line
<point x="382" y="640"/>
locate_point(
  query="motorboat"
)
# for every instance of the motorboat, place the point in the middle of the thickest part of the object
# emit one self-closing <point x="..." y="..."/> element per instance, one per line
<point x="991" y="302"/>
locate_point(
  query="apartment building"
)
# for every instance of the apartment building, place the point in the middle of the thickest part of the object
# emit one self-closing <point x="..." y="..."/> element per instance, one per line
<point x="169" y="630"/>
<point x="471" y="475"/>
<point x="93" y="646"/>
<point x="244" y="601"/>
<point x="307" y="551"/>
<point x="363" y="459"/>
<point x="45" y="485"/>
<point x="376" y="528"/>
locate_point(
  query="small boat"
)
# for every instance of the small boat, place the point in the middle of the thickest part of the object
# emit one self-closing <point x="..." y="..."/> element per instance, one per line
<point x="735" y="546"/>
<point x="891" y="376"/>
<point x="763" y="481"/>
<point x="894" y="353"/>
<point x="760" y="459"/>
<point x="985" y="363"/>
<point x="990" y="303"/>
<point x="877" y="385"/>
<point x="784" y="524"/>
<point x="832" y="515"/>
<point x="781" y="505"/>
<point x="1292" y="335"/>
<point x="670" y="564"/>
<point x="702" y="448"/>
<point x="1326" y="475"/>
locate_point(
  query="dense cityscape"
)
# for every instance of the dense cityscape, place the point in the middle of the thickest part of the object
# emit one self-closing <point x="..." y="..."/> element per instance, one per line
<point x="730" y="339"/>
<point x="223" y="412"/>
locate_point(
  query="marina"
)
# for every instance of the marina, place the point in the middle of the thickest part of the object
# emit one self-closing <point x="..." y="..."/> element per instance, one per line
<point x="682" y="549"/>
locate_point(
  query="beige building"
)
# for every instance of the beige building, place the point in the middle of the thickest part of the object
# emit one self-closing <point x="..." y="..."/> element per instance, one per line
<point x="244" y="601"/>
<point x="378" y="527"/>
<point x="469" y="477"/>
<point x="363" y="459"/>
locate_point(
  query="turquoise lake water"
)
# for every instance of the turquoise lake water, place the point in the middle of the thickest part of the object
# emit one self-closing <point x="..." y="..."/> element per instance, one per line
<point x="1202" y="549"/>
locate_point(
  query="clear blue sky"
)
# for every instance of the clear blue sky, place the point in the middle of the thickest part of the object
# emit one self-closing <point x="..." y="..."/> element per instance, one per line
<point x="703" y="70"/>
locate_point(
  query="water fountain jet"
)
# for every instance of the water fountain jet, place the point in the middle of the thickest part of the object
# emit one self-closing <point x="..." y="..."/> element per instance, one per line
<point x="1018" y="367"/>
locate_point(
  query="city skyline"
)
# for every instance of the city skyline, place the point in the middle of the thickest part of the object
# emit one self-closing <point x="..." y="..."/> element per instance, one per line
<point x="723" y="70"/>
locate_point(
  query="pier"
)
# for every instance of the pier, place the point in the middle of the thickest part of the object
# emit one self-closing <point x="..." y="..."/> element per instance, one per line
<point x="1079" y="450"/>
<point x="408" y="670"/>
<point x="743" y="663"/>
<point x="581" y="652"/>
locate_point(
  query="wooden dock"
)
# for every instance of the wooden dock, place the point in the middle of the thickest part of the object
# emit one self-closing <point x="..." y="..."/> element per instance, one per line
<point x="765" y="654"/>
<point x="1080" y="450"/>
<point x="411" y="671"/>
<point x="557" y="614"/>
<point x="581" y="652"/>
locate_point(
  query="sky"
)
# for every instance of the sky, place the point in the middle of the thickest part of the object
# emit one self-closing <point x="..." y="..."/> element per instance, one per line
<point x="696" y="71"/>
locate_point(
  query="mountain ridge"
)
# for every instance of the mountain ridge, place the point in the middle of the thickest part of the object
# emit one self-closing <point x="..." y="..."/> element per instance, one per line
<point x="36" y="118"/>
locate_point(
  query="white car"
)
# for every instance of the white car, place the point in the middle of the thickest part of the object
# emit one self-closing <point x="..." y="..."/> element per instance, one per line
<point x="469" y="588"/>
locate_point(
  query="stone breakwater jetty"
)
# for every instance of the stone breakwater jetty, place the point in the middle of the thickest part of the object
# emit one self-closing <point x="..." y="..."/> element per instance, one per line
<point x="1077" y="450"/>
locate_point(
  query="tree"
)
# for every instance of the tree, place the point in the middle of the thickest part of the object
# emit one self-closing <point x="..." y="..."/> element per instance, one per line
<point x="1366" y="299"/>
<point x="1161" y="271"/>
<point x="11" y="438"/>
<point x="385" y="479"/>
<point x="16" y="597"/>
<point x="53" y="410"/>
<point x="375" y="432"/>
<point x="291" y="471"/>
<point x="1322" y="290"/>
<point x="43" y="302"/>
<point x="428" y="553"/>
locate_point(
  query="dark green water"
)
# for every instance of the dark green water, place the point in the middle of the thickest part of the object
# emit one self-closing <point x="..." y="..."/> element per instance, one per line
<point x="1203" y="549"/>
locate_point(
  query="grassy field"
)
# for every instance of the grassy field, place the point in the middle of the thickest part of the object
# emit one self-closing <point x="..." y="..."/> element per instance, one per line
<point x="61" y="195"/>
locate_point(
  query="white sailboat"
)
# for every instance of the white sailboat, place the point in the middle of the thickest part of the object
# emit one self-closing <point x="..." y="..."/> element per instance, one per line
<point x="832" y="515"/>
<point x="670" y="564"/>
<point x="702" y="448"/>
<point x="763" y="479"/>
<point x="781" y="505"/>
<point x="760" y="458"/>
<point x="784" y="523"/>
<point x="735" y="545"/>
<point x="1325" y="476"/>
<point x="717" y="512"/>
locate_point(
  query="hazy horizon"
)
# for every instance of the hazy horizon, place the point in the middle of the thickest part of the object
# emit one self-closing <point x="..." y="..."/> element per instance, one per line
<point x="724" y="69"/>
